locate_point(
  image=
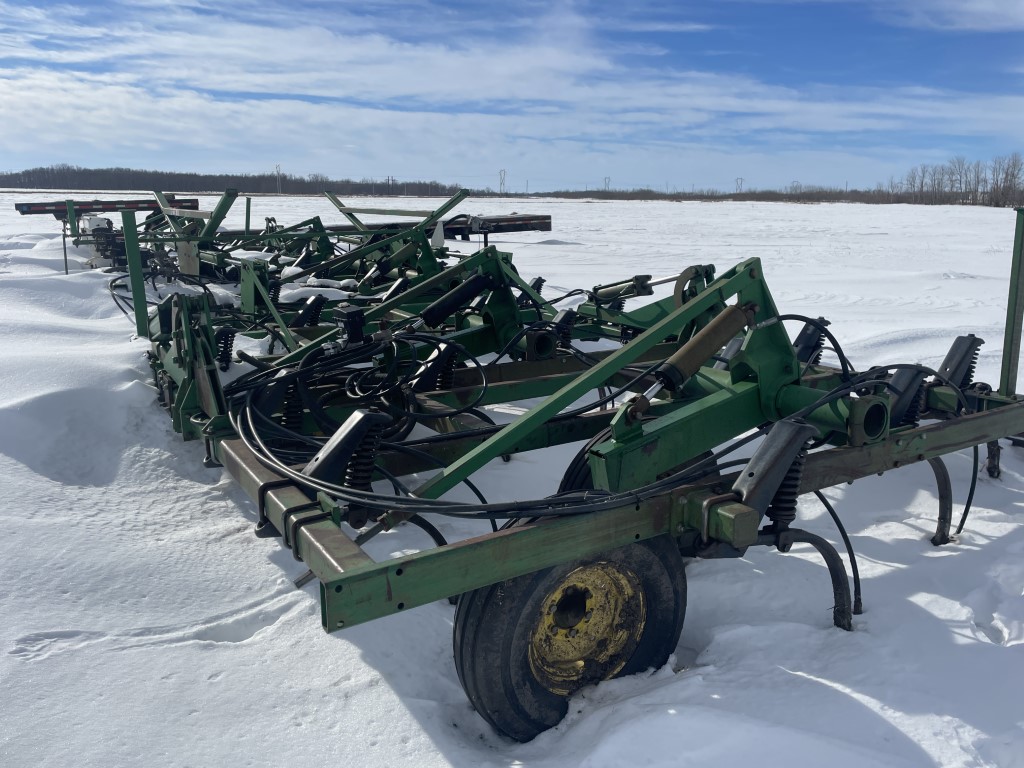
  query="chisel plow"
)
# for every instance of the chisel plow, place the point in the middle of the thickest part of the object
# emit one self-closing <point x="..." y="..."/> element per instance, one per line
<point x="344" y="378"/>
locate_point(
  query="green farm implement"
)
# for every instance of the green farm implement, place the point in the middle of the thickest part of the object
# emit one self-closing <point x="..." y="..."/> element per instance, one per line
<point x="344" y="376"/>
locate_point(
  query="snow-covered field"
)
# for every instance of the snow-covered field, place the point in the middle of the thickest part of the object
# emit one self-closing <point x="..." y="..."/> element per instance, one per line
<point x="144" y="624"/>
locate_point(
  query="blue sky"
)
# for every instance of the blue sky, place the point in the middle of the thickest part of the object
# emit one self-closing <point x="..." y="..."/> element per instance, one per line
<point x="671" y="95"/>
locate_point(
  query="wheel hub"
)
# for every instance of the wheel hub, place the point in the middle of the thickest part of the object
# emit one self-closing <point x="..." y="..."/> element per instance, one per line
<point x="588" y="627"/>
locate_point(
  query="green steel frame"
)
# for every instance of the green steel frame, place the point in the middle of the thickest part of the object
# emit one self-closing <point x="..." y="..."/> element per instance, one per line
<point x="684" y="404"/>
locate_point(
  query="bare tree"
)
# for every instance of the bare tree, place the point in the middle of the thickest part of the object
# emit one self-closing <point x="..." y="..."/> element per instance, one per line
<point x="976" y="182"/>
<point x="995" y="181"/>
<point x="1013" y="178"/>
<point x="923" y="172"/>
<point x="910" y="183"/>
<point x="895" y="189"/>
<point x="957" y="170"/>
<point x="938" y="184"/>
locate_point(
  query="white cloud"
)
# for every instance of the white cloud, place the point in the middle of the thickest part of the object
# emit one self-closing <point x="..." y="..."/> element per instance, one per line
<point x="658" y="26"/>
<point x="184" y="89"/>
<point x="966" y="15"/>
<point x="977" y="15"/>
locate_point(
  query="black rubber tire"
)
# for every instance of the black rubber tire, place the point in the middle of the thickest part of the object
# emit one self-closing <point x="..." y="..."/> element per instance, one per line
<point x="494" y="627"/>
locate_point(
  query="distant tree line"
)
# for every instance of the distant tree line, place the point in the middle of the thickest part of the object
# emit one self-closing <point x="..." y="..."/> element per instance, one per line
<point x="123" y="179"/>
<point x="999" y="182"/>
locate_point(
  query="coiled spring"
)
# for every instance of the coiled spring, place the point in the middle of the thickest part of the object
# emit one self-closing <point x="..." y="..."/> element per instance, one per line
<point x="782" y="511"/>
<point x="359" y="472"/>
<point x="291" y="411"/>
<point x="225" y="340"/>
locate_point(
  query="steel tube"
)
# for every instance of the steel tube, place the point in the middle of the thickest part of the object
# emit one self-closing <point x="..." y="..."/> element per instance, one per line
<point x="1014" y="313"/>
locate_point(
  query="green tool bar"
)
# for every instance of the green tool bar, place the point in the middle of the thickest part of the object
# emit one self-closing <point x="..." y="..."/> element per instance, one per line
<point x="372" y="591"/>
<point x="135" y="273"/>
<point x="728" y="285"/>
<point x="844" y="465"/>
<point x="1014" y="313"/>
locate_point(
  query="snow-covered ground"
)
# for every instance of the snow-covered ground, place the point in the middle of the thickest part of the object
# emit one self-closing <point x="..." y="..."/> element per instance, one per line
<point x="144" y="624"/>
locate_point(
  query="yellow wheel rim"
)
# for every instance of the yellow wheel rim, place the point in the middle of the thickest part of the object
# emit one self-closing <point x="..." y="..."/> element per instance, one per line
<point x="588" y="627"/>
